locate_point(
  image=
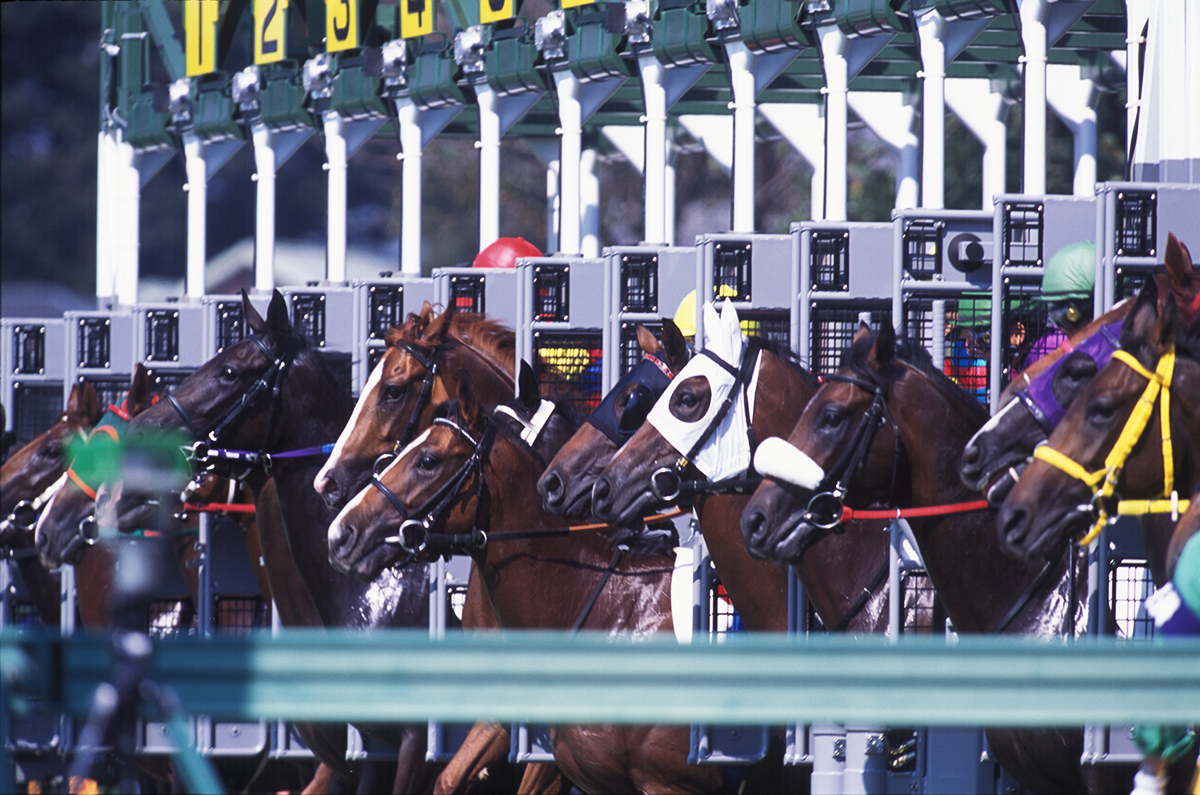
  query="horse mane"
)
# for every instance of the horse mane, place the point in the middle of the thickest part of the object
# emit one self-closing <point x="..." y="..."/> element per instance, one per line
<point x="304" y="350"/>
<point x="489" y="338"/>
<point x="914" y="354"/>
<point x="781" y="351"/>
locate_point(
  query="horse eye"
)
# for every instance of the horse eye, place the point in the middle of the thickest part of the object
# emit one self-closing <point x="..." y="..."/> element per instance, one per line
<point x="1101" y="410"/>
<point x="426" y="462"/>
<point x="53" y="451"/>
<point x="393" y="392"/>
<point x="687" y="400"/>
<point x="228" y="374"/>
<point x="832" y="419"/>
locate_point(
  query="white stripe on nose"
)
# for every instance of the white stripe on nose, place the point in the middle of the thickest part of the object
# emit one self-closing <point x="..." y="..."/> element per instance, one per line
<point x="777" y="458"/>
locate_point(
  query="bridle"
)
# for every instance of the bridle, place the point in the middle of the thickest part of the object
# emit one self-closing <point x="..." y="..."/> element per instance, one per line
<point x="431" y="366"/>
<point x="1038" y="396"/>
<point x="1104" y="481"/>
<point x="825" y="508"/>
<point x="269" y="384"/>
<point x="666" y="482"/>
<point x="414" y="534"/>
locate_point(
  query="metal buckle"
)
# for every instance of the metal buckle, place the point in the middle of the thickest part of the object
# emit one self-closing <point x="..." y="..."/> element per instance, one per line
<point x="383" y="462"/>
<point x="415" y="542"/>
<point x="89" y="531"/>
<point x="673" y="483"/>
<point x="24" y="515"/>
<point x="825" y="511"/>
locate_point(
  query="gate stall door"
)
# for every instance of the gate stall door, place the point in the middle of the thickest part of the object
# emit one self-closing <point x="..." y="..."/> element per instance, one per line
<point x="560" y="329"/>
<point x="325" y="317"/>
<point x="752" y="271"/>
<point x="32" y="363"/>
<point x="379" y="305"/>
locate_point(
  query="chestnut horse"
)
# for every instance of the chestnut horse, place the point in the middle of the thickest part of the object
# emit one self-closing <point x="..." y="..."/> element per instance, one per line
<point x="835" y="577"/>
<point x="887" y="428"/>
<point x="1007" y="441"/>
<point x="25" y="478"/>
<point x="472" y="476"/>
<point x="1156" y="370"/>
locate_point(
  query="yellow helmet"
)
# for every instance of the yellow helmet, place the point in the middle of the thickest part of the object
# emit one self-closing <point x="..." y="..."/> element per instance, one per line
<point x="685" y="315"/>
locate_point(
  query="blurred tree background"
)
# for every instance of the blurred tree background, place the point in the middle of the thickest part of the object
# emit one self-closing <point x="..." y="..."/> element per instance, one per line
<point x="48" y="162"/>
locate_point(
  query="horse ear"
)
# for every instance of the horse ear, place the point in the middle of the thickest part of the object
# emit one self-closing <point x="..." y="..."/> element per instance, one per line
<point x="82" y="404"/>
<point x="139" y="386"/>
<point x="1144" y="323"/>
<point x="1184" y="280"/>
<point x="437" y="329"/>
<point x="254" y="321"/>
<point x="527" y="386"/>
<point x="863" y="333"/>
<point x="277" y="314"/>
<point x="674" y="345"/>
<point x="885" y="344"/>
<point x="468" y="400"/>
<point x="646" y="340"/>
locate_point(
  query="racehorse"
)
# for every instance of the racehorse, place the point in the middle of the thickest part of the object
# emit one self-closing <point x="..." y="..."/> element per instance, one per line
<point x="1132" y="433"/>
<point x="24" y="480"/>
<point x="469" y="483"/>
<point x="421" y="366"/>
<point x="887" y="428"/>
<point x="273" y="395"/>
<point x="1032" y="403"/>
<point x="843" y="580"/>
<point x="419" y="371"/>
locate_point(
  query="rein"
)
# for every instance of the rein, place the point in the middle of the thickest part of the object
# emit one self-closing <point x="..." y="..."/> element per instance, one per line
<point x="1104" y="481"/>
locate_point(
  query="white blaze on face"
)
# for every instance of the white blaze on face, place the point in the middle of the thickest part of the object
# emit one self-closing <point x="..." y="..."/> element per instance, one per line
<point x="335" y="528"/>
<point x="777" y="458"/>
<point x="368" y="394"/>
<point x="992" y="423"/>
<point x="47" y="499"/>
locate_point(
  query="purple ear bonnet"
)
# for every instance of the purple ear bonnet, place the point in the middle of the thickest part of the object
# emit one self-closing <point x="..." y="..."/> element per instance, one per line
<point x="1039" y="395"/>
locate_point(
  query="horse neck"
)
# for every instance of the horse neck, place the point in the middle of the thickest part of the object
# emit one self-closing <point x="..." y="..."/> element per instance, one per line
<point x="544" y="583"/>
<point x="838" y="568"/>
<point x="976" y="582"/>
<point x="45" y="586"/>
<point x="780" y="397"/>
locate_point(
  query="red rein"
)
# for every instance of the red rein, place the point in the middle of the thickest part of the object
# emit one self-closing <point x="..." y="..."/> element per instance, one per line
<point x="219" y="507"/>
<point x="906" y="513"/>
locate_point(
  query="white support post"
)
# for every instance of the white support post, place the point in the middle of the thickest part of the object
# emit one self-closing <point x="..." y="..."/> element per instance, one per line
<point x="336" y="157"/>
<point x="197" y="212"/>
<point x="570" y="116"/>
<point x="1073" y="99"/>
<point x="837" y="87"/>
<point x="803" y="126"/>
<point x="1033" y="39"/>
<point x="654" y="175"/>
<point x="982" y="111"/>
<point x="741" y="71"/>
<point x="891" y="116"/>
<point x="408" y="116"/>
<point x="489" y="164"/>
<point x="932" y="29"/>
<point x="547" y="150"/>
<point x="669" y="178"/>
<point x="264" y="207"/>
<point x="589" y="200"/>
<point x="105" y="268"/>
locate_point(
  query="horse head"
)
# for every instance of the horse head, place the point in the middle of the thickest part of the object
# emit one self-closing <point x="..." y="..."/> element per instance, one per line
<point x="840" y="446"/>
<point x="1104" y="449"/>
<point x="1037" y="399"/>
<point x="68" y="523"/>
<point x="30" y="471"/>
<point x="434" y="482"/>
<point x="416" y="374"/>
<point x="566" y="485"/>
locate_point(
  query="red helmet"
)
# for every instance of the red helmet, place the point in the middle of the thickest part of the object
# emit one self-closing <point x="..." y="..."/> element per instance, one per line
<point x="504" y="253"/>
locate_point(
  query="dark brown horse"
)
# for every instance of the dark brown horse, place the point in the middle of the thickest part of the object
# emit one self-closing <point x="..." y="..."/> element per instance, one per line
<point x="566" y="485"/>
<point x="469" y="475"/>
<point x="24" y="480"/>
<point x="272" y="393"/>
<point x="834" y="577"/>
<point x="913" y="423"/>
<point x="1155" y="363"/>
<point x="1006" y="442"/>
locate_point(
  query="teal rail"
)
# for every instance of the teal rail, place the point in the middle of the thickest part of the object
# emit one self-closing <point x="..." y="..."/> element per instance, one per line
<point x="394" y="676"/>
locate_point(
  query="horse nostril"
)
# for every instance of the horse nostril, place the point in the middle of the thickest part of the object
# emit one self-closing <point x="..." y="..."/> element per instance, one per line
<point x="601" y="492"/>
<point x="1013" y="522"/>
<point x="552" y="488"/>
<point x="970" y="455"/>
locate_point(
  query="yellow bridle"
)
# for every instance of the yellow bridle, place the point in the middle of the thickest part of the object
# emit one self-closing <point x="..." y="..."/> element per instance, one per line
<point x="1104" y="481"/>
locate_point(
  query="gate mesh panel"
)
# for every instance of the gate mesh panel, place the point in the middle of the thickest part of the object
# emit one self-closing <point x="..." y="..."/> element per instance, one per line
<point x="921" y="613"/>
<point x="829" y="265"/>
<point x="386" y="309"/>
<point x="1128" y="282"/>
<point x="1129" y="584"/>
<point x="466" y="293"/>
<point x="834" y="325"/>
<point x="35" y="408"/>
<point x="1137" y="215"/>
<point x="170" y="618"/>
<point x="731" y="270"/>
<point x="29" y="349"/>
<point x="238" y="615"/>
<point x="631" y="352"/>
<point x="1023" y="233"/>
<point x="639" y="282"/>
<point x="551" y="293"/>
<point x="568" y="363"/>
<point x="110" y="390"/>
<point x="772" y="324"/>
<point x="923" y="248"/>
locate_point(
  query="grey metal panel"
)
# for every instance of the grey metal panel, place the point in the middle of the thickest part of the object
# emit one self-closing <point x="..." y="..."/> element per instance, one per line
<point x="119" y="363"/>
<point x="188" y="348"/>
<point x="338" y="305"/>
<point x="499" y="290"/>
<point x="375" y="299"/>
<point x="224" y="314"/>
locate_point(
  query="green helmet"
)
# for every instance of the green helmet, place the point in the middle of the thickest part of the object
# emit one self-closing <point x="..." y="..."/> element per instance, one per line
<point x="1071" y="273"/>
